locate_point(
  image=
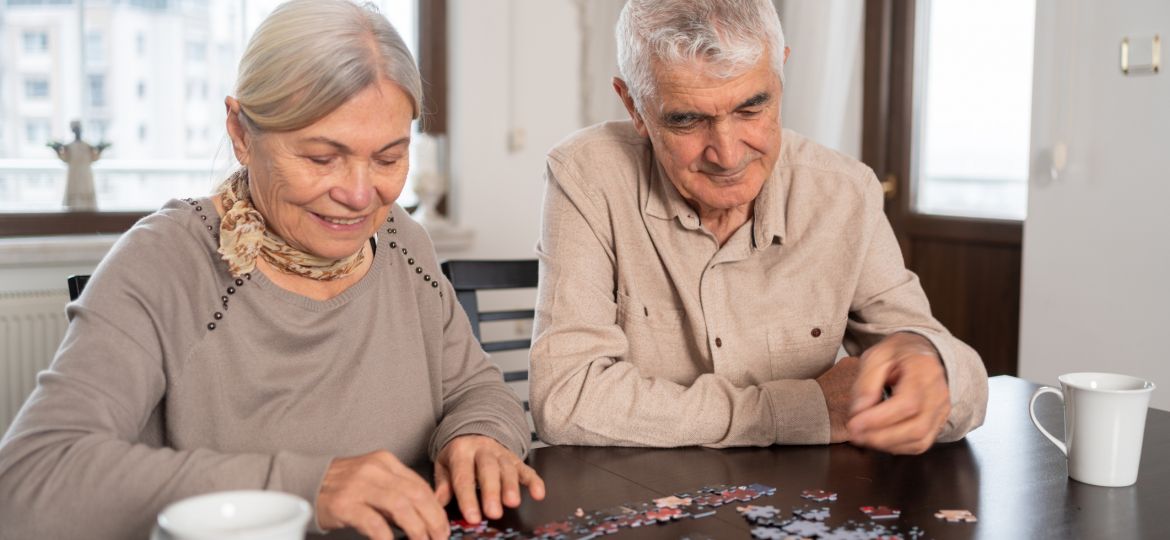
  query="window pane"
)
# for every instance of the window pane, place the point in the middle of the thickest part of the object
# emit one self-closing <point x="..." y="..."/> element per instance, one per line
<point x="149" y="77"/>
<point x="974" y="92"/>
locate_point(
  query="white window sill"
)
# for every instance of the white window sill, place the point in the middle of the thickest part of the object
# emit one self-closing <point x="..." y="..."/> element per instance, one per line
<point x="54" y="250"/>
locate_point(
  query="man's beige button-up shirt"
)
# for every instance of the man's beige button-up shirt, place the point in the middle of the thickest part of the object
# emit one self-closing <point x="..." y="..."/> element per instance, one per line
<point x="648" y="333"/>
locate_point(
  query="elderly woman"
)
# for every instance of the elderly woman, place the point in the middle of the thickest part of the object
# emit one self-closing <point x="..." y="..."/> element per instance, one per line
<point x="292" y="332"/>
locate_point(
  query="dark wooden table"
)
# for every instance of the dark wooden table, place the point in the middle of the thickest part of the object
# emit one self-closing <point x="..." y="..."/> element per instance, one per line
<point x="1013" y="479"/>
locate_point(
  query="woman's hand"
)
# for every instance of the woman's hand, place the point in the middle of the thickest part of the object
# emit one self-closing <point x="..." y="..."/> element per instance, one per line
<point x="370" y="491"/>
<point x="471" y="460"/>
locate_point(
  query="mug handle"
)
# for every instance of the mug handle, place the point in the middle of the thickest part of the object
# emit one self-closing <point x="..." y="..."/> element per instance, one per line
<point x="1032" y="411"/>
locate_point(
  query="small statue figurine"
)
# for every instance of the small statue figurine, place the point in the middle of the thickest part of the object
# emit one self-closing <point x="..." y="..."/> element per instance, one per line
<point x="79" y="192"/>
<point x="429" y="183"/>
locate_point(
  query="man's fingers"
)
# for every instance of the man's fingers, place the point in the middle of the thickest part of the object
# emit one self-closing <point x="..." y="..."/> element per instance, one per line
<point x="487" y="469"/>
<point x="913" y="435"/>
<point x="871" y="380"/>
<point x="534" y="482"/>
<point x="893" y="411"/>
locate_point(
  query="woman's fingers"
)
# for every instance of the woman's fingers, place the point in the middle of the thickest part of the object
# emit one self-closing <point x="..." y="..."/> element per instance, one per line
<point x="370" y="491"/>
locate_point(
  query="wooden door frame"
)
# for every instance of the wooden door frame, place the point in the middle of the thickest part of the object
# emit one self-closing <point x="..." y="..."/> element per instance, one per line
<point x="887" y="134"/>
<point x="969" y="267"/>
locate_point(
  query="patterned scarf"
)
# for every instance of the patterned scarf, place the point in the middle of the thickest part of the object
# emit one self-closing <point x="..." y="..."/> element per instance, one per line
<point x="243" y="236"/>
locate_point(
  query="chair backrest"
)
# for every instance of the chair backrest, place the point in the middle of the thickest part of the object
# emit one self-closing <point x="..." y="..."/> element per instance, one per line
<point x="468" y="277"/>
<point x="76" y="284"/>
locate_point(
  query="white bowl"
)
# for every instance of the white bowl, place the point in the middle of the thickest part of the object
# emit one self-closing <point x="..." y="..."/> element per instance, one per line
<point x="236" y="515"/>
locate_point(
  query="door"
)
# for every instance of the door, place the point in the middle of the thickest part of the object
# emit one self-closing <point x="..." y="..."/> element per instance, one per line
<point x="1097" y="243"/>
<point x="951" y="146"/>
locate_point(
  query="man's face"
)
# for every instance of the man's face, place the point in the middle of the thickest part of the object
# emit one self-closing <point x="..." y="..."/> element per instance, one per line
<point x="717" y="139"/>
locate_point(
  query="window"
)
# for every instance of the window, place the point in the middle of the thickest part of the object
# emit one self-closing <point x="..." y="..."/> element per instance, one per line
<point x="36" y="131"/>
<point x="95" y="130"/>
<point x="97" y="90"/>
<point x="196" y="51"/>
<point x="971" y="151"/>
<point x="36" y="42"/>
<point x="149" y="161"/>
<point x="95" y="52"/>
<point x="36" y="87"/>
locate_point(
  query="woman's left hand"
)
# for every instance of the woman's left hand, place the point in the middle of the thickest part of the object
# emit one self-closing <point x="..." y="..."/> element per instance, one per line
<point x="470" y="460"/>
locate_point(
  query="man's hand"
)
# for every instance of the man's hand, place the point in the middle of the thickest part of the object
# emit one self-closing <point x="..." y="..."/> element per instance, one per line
<point x="469" y="460"/>
<point x="916" y="412"/>
<point x="370" y="491"/>
<point x="837" y="386"/>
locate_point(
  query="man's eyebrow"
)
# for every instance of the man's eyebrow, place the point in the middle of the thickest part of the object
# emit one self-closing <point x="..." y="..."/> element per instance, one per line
<point x="346" y="149"/>
<point x="755" y="101"/>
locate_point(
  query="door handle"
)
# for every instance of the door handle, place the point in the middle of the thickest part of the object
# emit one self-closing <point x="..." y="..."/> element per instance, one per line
<point x="890" y="186"/>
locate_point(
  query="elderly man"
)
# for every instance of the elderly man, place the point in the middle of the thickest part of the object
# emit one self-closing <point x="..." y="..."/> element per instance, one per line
<point x="701" y="267"/>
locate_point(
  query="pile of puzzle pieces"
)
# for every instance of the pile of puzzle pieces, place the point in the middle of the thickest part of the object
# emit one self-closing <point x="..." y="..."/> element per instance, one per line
<point x="770" y="523"/>
<point x="584" y="525"/>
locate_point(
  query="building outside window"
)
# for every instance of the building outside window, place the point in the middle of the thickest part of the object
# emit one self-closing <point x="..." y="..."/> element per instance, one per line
<point x="36" y="42"/>
<point x="36" y="130"/>
<point x="95" y="53"/>
<point x="36" y="87"/>
<point x="97" y="90"/>
<point x="170" y="145"/>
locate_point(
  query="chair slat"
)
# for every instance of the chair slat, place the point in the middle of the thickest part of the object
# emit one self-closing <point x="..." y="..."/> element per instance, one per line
<point x="506" y="315"/>
<point x="512" y="345"/>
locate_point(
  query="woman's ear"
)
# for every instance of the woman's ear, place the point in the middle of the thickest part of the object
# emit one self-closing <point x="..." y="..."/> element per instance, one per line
<point x="241" y="139"/>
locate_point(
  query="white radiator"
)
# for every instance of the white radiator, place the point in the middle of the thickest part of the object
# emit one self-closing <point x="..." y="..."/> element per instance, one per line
<point x="32" y="324"/>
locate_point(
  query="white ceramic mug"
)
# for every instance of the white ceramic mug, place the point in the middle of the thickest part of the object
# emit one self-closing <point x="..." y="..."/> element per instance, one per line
<point x="236" y="515"/>
<point x="1104" y="422"/>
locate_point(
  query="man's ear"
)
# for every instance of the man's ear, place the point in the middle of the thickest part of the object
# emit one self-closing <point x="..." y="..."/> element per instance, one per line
<point x="623" y="93"/>
<point x="241" y="139"/>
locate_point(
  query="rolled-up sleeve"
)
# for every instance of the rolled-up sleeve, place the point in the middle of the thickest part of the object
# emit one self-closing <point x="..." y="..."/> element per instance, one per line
<point x="890" y="299"/>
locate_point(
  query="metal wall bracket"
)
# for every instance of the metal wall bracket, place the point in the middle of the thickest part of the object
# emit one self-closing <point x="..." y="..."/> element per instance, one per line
<point x="1153" y="67"/>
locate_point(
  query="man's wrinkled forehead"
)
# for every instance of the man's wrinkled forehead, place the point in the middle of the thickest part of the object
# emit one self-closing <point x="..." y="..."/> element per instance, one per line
<point x="684" y="86"/>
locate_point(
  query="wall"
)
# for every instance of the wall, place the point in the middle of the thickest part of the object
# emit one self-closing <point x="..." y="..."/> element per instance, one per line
<point x="515" y="68"/>
<point x="1096" y="254"/>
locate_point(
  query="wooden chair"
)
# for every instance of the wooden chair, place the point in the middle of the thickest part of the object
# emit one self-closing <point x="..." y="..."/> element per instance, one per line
<point x="76" y="284"/>
<point x="468" y="277"/>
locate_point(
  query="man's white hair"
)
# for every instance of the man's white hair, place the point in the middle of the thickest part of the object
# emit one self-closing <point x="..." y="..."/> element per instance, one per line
<point x="727" y="36"/>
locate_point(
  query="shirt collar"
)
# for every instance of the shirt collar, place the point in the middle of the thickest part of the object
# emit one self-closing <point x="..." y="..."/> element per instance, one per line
<point x="665" y="202"/>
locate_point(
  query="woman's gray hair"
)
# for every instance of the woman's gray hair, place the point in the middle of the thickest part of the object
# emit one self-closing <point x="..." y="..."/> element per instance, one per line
<point x="310" y="56"/>
<point x="728" y="36"/>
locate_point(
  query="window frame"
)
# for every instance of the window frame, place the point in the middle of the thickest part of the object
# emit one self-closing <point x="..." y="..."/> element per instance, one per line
<point x="432" y="61"/>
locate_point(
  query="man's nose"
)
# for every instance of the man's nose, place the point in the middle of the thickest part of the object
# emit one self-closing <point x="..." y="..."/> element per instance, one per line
<point x="724" y="148"/>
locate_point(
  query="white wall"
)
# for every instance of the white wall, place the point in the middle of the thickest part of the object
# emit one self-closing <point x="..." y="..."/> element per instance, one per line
<point x="1096" y="276"/>
<point x="515" y="65"/>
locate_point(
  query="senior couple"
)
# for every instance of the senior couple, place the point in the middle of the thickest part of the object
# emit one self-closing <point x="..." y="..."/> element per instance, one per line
<point x="700" y="270"/>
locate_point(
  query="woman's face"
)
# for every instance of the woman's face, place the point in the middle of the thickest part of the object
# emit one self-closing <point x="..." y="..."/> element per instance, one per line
<point x="325" y="188"/>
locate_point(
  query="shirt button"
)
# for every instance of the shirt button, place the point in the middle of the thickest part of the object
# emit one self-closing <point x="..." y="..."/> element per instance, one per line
<point x="816" y="332"/>
<point x="718" y="342"/>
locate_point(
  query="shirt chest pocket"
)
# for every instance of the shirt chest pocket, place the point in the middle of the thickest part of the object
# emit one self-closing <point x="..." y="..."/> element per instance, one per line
<point x="804" y="348"/>
<point x="659" y="343"/>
